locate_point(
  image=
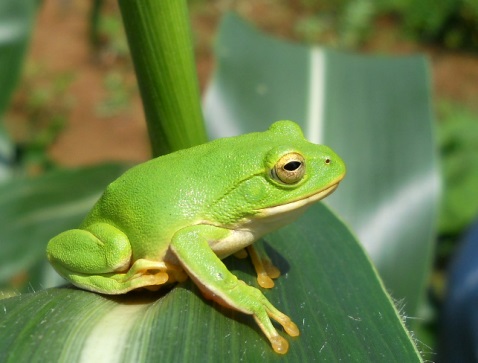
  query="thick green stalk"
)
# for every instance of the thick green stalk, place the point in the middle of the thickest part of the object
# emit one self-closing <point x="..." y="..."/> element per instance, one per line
<point x="158" y="33"/>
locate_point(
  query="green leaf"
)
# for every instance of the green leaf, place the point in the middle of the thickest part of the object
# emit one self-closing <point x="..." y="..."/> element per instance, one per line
<point x="36" y="209"/>
<point x="374" y="111"/>
<point x="16" y="21"/>
<point x="328" y="288"/>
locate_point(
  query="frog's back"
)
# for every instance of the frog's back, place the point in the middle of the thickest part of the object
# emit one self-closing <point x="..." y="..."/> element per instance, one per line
<point x="152" y="200"/>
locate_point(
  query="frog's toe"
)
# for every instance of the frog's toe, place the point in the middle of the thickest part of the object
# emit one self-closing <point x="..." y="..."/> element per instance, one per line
<point x="271" y="270"/>
<point x="265" y="281"/>
<point x="279" y="344"/>
<point x="241" y="254"/>
<point x="161" y="278"/>
<point x="291" y="328"/>
<point x="156" y="280"/>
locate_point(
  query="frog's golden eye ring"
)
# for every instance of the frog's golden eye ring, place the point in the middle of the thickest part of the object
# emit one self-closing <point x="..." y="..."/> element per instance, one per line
<point x="289" y="169"/>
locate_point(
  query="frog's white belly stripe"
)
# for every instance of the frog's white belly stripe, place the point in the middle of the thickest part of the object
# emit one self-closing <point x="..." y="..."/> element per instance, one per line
<point x="236" y="241"/>
<point x="267" y="220"/>
<point x="251" y="231"/>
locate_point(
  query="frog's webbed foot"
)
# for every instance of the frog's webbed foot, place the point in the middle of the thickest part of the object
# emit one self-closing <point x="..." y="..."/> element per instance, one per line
<point x="163" y="272"/>
<point x="265" y="270"/>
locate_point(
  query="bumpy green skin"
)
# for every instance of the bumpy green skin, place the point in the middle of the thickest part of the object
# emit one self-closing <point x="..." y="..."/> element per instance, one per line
<point x="187" y="210"/>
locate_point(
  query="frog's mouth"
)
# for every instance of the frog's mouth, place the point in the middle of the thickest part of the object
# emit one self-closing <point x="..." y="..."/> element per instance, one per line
<point x="298" y="205"/>
<point x="268" y="219"/>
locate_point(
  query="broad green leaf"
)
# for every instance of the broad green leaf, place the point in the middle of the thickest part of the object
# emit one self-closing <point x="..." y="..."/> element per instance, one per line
<point x="328" y="287"/>
<point x="16" y="20"/>
<point x="374" y="111"/>
<point x="33" y="210"/>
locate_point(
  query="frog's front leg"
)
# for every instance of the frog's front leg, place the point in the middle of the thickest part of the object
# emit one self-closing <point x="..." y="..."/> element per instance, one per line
<point x="99" y="258"/>
<point x="265" y="270"/>
<point x="216" y="282"/>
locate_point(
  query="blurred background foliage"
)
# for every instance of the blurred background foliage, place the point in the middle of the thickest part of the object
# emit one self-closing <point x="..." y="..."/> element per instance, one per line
<point x="78" y="84"/>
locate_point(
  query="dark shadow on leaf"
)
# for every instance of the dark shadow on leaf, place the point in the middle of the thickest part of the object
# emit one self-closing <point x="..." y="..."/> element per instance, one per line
<point x="135" y="297"/>
<point x="277" y="259"/>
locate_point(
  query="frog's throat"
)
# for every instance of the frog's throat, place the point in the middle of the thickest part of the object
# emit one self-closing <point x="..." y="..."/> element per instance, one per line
<point x="298" y="204"/>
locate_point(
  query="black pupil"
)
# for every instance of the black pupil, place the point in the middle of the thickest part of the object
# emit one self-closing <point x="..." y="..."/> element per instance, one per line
<point x="292" y="165"/>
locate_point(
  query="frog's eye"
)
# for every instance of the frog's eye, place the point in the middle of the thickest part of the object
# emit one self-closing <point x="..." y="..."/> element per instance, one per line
<point x="289" y="169"/>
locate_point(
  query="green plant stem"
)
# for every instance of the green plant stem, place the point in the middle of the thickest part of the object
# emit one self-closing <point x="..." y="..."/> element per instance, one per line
<point x="159" y="38"/>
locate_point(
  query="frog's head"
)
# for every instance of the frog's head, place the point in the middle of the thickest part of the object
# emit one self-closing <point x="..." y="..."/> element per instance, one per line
<point x="280" y="174"/>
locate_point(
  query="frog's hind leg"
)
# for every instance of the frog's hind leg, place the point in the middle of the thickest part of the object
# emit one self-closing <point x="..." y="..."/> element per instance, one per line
<point x="120" y="283"/>
<point x="98" y="258"/>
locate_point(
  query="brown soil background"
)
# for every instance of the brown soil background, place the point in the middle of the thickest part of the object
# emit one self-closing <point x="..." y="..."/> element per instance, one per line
<point x="60" y="44"/>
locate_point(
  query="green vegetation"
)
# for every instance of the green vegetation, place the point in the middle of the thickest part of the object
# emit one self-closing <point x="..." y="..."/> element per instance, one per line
<point x="39" y="112"/>
<point x="34" y="209"/>
<point x="349" y="23"/>
<point x="458" y="135"/>
<point x="119" y="94"/>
